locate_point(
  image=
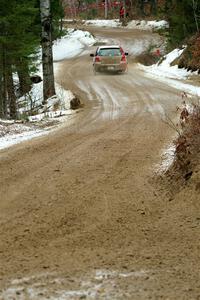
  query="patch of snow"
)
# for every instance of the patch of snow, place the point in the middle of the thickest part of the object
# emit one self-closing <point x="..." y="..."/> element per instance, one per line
<point x="12" y="133"/>
<point x="171" y="56"/>
<point x="104" y="23"/>
<point x="6" y="122"/>
<point x="134" y="24"/>
<point x="28" y="279"/>
<point x="147" y="25"/>
<point x="164" y="69"/>
<point x="107" y="274"/>
<point x="171" y="75"/>
<point x="167" y="157"/>
<point x="12" y="139"/>
<point x="62" y="97"/>
<point x="99" y="284"/>
<point x="51" y="115"/>
<point x="72" y="44"/>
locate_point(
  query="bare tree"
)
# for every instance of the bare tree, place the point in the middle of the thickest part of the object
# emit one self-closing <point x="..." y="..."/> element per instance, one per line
<point x="47" y="56"/>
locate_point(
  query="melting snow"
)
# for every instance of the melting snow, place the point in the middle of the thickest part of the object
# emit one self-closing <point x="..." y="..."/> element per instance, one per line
<point x="104" y="23"/>
<point x="72" y="44"/>
<point x="147" y="25"/>
<point x="100" y="283"/>
<point x="167" y="157"/>
<point x="171" y="75"/>
<point x="134" y="24"/>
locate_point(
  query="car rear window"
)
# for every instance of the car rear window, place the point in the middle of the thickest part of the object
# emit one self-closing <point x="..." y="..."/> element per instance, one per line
<point x="109" y="52"/>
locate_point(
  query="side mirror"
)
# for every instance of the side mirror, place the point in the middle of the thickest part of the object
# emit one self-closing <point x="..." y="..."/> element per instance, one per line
<point x="126" y="53"/>
<point x="92" y="55"/>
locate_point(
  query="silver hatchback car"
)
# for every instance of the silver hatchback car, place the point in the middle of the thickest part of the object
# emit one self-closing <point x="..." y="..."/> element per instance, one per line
<point x="110" y="58"/>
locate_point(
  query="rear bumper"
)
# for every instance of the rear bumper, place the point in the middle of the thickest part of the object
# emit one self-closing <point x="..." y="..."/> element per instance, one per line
<point x="112" y="68"/>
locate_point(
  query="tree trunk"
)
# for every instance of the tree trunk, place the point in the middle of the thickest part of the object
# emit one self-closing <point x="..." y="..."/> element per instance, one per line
<point x="97" y="5"/>
<point x="23" y="75"/>
<point x="47" y="56"/>
<point x="140" y="7"/>
<point x="168" y="5"/>
<point x="4" y="84"/>
<point x="153" y="7"/>
<point x="74" y="8"/>
<point x="196" y="17"/>
<point x="1" y="96"/>
<point x="124" y="4"/>
<point x="106" y="9"/>
<point x="1" y="81"/>
<point x="11" y="93"/>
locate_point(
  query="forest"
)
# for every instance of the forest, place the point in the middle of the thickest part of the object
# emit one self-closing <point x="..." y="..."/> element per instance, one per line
<point x="20" y="34"/>
<point x="20" y="39"/>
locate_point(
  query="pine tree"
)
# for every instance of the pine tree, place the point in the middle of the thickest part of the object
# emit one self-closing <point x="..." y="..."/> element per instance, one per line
<point x="19" y="36"/>
<point x="182" y="20"/>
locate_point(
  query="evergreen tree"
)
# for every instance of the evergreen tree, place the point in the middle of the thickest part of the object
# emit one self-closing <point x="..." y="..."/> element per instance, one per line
<point x="57" y="15"/>
<point x="182" y="20"/>
<point x="19" y="36"/>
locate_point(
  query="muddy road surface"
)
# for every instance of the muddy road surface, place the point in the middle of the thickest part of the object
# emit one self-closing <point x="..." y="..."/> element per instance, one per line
<point x="81" y="216"/>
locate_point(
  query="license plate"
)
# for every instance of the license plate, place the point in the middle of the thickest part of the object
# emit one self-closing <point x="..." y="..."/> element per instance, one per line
<point x="111" y="68"/>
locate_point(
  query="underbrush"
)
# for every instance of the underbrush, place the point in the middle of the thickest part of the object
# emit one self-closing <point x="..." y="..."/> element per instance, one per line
<point x="190" y="56"/>
<point x="147" y="59"/>
<point x="187" y="145"/>
<point x="152" y="55"/>
<point x="188" y="141"/>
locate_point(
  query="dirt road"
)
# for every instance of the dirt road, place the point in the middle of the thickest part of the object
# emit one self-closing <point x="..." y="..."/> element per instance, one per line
<point x="81" y="216"/>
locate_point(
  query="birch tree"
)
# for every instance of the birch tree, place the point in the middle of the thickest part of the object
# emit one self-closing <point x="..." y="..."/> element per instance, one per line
<point x="47" y="56"/>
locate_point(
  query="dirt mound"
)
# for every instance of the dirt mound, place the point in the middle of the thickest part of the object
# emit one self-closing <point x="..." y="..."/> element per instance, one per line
<point x="147" y="59"/>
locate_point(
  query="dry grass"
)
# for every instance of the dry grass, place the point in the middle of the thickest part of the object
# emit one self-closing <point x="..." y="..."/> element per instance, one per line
<point x="190" y="56"/>
<point x="187" y="144"/>
<point x="186" y="163"/>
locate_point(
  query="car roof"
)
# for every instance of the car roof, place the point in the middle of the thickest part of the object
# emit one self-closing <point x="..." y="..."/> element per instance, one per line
<point x="108" y="47"/>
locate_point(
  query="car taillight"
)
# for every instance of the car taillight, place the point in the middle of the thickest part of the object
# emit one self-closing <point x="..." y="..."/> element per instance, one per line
<point x="97" y="59"/>
<point x="123" y="58"/>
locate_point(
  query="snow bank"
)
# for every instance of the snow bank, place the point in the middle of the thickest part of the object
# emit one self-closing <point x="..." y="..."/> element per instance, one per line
<point x="164" y="69"/>
<point x="147" y="25"/>
<point x="171" y="75"/>
<point x="62" y="97"/>
<point x="134" y="24"/>
<point x="72" y="44"/>
<point x="15" y="133"/>
<point x="167" y="156"/>
<point x="104" y="23"/>
<point x="12" y="133"/>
